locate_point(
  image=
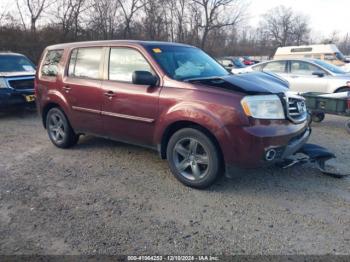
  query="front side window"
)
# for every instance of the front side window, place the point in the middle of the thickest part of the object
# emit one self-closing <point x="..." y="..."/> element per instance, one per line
<point x="124" y="61"/>
<point x="303" y="68"/>
<point x="85" y="63"/>
<point x="275" y="67"/>
<point x="183" y="63"/>
<point x="51" y="61"/>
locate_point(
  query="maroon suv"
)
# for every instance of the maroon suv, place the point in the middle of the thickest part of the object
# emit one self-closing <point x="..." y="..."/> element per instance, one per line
<point x="173" y="98"/>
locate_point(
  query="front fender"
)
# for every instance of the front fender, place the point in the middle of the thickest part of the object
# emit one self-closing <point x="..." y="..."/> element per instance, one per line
<point x="197" y="114"/>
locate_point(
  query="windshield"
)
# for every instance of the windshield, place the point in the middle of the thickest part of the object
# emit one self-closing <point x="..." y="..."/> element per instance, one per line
<point x="15" y="63"/>
<point x="181" y="63"/>
<point x="334" y="69"/>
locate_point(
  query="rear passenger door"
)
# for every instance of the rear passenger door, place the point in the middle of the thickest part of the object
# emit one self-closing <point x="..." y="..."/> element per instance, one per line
<point x="129" y="111"/>
<point x="82" y="88"/>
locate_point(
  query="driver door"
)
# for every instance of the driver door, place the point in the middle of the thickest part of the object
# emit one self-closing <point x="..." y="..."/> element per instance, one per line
<point x="301" y="78"/>
<point x="129" y="111"/>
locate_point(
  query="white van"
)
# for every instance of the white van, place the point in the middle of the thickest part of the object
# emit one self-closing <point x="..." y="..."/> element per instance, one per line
<point x="329" y="53"/>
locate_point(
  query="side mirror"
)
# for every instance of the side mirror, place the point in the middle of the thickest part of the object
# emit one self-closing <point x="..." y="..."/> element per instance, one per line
<point x="318" y="73"/>
<point x="144" y="78"/>
<point x="230" y="65"/>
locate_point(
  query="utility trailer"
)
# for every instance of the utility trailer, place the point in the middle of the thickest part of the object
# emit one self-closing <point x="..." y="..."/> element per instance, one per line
<point x="320" y="104"/>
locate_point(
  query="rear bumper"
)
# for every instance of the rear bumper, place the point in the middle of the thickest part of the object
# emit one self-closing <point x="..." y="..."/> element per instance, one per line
<point x="251" y="144"/>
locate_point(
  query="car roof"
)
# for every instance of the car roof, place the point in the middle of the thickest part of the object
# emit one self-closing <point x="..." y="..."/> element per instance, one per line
<point x="11" y="53"/>
<point x="117" y="42"/>
<point x="312" y="60"/>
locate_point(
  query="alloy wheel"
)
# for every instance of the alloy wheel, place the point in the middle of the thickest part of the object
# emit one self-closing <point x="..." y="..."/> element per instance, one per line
<point x="56" y="128"/>
<point x="191" y="159"/>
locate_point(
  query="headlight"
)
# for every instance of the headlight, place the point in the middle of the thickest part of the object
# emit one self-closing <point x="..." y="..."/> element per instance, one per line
<point x="3" y="83"/>
<point x="263" y="107"/>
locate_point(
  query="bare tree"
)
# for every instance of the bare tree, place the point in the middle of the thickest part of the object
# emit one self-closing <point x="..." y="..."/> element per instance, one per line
<point x="301" y="30"/>
<point x="177" y="19"/>
<point x="21" y="15"/>
<point x="102" y="19"/>
<point x="129" y="9"/>
<point x="344" y="44"/>
<point x="216" y="15"/>
<point x="35" y="9"/>
<point x="3" y="14"/>
<point x="285" y="27"/>
<point x="67" y="13"/>
<point x="154" y="22"/>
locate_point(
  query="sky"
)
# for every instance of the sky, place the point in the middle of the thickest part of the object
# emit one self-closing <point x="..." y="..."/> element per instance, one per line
<point x="326" y="16"/>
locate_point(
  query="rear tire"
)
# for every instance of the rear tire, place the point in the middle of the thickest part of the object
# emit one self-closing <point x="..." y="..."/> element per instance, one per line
<point x="193" y="158"/>
<point x="59" y="129"/>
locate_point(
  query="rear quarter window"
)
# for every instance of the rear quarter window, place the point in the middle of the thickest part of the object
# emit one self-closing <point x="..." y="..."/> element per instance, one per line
<point x="51" y="61"/>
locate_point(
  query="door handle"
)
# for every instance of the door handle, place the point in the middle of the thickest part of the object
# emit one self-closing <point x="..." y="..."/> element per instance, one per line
<point x="109" y="94"/>
<point x="66" y="89"/>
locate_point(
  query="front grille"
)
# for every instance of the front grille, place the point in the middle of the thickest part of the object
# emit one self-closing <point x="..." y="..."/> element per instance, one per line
<point x="22" y="84"/>
<point x="296" y="110"/>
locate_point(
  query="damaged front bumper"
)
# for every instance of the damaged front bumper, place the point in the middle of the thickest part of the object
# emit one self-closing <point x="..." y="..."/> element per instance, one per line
<point x="275" y="154"/>
<point x="314" y="154"/>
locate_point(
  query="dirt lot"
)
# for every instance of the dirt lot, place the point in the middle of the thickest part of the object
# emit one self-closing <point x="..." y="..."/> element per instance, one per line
<point x="106" y="197"/>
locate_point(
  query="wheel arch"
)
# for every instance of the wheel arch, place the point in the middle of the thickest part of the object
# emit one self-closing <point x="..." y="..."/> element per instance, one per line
<point x="340" y="88"/>
<point x="176" y="126"/>
<point x="46" y="109"/>
<point x="53" y="99"/>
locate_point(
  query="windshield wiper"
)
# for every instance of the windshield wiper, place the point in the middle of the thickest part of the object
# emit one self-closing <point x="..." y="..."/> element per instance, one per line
<point x="202" y="78"/>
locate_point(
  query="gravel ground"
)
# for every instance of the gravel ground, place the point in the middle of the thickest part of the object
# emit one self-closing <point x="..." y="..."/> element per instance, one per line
<point x="104" y="197"/>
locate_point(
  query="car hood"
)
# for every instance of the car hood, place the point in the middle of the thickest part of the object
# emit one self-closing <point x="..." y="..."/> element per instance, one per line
<point x="17" y="74"/>
<point x="249" y="83"/>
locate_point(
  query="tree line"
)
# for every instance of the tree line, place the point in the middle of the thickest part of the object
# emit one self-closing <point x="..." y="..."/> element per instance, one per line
<point x="217" y="26"/>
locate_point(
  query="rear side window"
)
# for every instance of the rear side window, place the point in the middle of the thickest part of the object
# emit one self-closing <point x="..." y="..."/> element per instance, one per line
<point x="50" y="64"/>
<point x="85" y="63"/>
<point x="124" y="61"/>
<point x="275" y="67"/>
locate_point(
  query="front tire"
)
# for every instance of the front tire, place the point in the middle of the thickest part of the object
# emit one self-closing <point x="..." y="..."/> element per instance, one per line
<point x="193" y="158"/>
<point x="59" y="130"/>
<point x="317" y="117"/>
